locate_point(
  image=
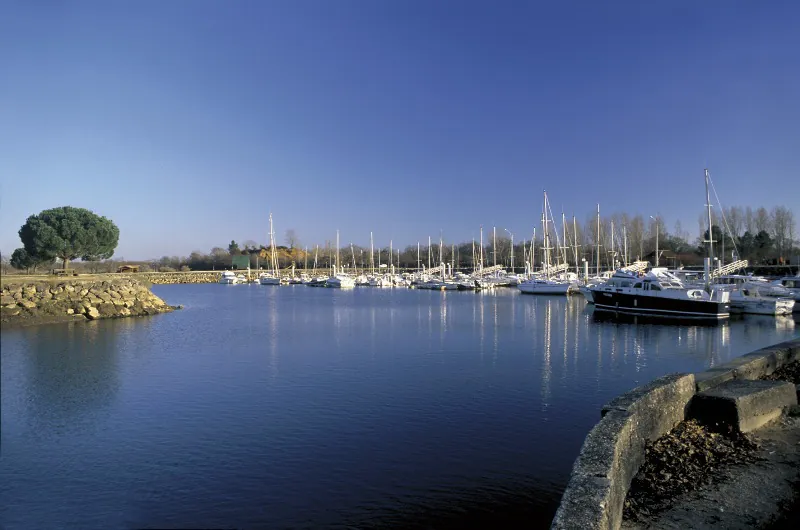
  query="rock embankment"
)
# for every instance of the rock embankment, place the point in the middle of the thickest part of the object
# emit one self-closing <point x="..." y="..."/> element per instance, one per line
<point x="69" y="300"/>
<point x="160" y="278"/>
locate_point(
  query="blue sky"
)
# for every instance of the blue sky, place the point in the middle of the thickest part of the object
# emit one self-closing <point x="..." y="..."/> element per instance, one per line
<point x="186" y="122"/>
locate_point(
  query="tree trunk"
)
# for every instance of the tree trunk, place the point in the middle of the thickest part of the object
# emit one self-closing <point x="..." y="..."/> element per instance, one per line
<point x="66" y="263"/>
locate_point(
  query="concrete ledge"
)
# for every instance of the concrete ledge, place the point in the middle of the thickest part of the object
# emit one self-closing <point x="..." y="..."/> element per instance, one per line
<point x="613" y="451"/>
<point x="742" y="405"/>
<point x="658" y="406"/>
<point x="751" y="366"/>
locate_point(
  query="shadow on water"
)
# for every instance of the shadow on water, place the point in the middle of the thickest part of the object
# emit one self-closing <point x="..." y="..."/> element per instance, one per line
<point x="522" y="507"/>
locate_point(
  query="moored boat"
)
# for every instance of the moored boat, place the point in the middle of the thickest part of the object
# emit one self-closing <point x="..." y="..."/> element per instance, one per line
<point x="228" y="277"/>
<point x="749" y="299"/>
<point x="659" y="293"/>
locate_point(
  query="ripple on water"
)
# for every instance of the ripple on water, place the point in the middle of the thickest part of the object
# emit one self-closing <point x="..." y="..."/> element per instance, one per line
<point x="297" y="407"/>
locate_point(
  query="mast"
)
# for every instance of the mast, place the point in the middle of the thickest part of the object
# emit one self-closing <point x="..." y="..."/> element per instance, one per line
<point x="429" y="252"/>
<point x="273" y="261"/>
<point x="597" y="244"/>
<point x="512" y="253"/>
<point x="353" y="252"/>
<point x="305" y="260"/>
<point x="371" y="254"/>
<point x="533" y="251"/>
<point x="613" y="255"/>
<point x="419" y="261"/>
<point x="710" y="234"/>
<point x="391" y="255"/>
<point x="564" y="226"/>
<point x="441" y="254"/>
<point x="625" y="239"/>
<point x="336" y="270"/>
<point x="474" y="263"/>
<point x="480" y="256"/>
<point x="575" y="244"/>
<point x="494" y="245"/>
<point x="546" y="248"/>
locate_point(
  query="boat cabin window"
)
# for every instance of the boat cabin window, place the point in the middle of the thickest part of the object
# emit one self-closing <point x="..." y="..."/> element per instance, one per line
<point x="654" y="287"/>
<point x="791" y="283"/>
<point x="637" y="285"/>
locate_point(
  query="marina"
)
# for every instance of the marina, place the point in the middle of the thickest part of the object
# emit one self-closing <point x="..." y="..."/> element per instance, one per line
<point x="404" y="265"/>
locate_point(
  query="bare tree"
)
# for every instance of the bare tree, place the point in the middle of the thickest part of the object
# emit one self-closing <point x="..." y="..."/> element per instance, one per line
<point x="636" y="237"/>
<point x="291" y="238"/>
<point x="736" y="221"/>
<point x="763" y="221"/>
<point x="5" y="266"/>
<point x="782" y="229"/>
<point x="680" y="232"/>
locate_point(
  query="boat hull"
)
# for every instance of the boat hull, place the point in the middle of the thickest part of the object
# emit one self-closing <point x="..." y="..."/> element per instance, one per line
<point x="763" y="307"/>
<point x="659" y="306"/>
<point x="340" y="283"/>
<point x="587" y="293"/>
<point x="544" y="288"/>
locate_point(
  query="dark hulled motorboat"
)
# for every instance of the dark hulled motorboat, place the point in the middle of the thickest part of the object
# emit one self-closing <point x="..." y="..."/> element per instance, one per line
<point x="659" y="293"/>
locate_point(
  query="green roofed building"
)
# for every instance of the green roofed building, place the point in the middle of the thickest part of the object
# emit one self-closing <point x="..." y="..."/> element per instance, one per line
<point x="240" y="262"/>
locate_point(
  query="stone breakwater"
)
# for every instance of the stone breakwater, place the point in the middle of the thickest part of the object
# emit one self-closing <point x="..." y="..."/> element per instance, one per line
<point x="70" y="300"/>
<point x="160" y="278"/>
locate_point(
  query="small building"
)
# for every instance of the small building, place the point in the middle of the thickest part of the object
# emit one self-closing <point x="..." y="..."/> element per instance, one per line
<point x="240" y="262"/>
<point x="128" y="268"/>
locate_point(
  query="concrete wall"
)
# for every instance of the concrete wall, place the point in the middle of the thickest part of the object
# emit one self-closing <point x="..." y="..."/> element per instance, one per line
<point x="75" y="299"/>
<point x="614" y="449"/>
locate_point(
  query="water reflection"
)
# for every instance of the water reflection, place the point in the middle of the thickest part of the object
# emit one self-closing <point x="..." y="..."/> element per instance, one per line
<point x="388" y="404"/>
<point x="72" y="373"/>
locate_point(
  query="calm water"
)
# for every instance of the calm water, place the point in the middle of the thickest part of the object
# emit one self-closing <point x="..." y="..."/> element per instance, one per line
<point x="294" y="407"/>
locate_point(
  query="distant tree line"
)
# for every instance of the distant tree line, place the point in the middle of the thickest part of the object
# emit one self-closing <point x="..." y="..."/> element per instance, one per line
<point x="761" y="236"/>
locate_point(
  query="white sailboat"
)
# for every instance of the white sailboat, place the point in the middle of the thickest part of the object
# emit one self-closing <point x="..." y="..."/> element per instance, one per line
<point x="271" y="277"/>
<point x="538" y="285"/>
<point x="339" y="280"/>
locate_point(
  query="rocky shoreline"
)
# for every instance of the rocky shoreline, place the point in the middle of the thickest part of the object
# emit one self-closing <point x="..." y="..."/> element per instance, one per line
<point x="69" y="300"/>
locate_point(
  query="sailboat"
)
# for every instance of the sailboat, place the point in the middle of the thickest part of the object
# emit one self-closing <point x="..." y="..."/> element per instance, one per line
<point x="537" y="284"/>
<point x="271" y="277"/>
<point x="339" y="280"/>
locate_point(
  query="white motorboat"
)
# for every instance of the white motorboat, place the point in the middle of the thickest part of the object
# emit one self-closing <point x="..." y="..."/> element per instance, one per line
<point x="543" y="286"/>
<point x="228" y="277"/>
<point x="749" y="299"/>
<point x="792" y="286"/>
